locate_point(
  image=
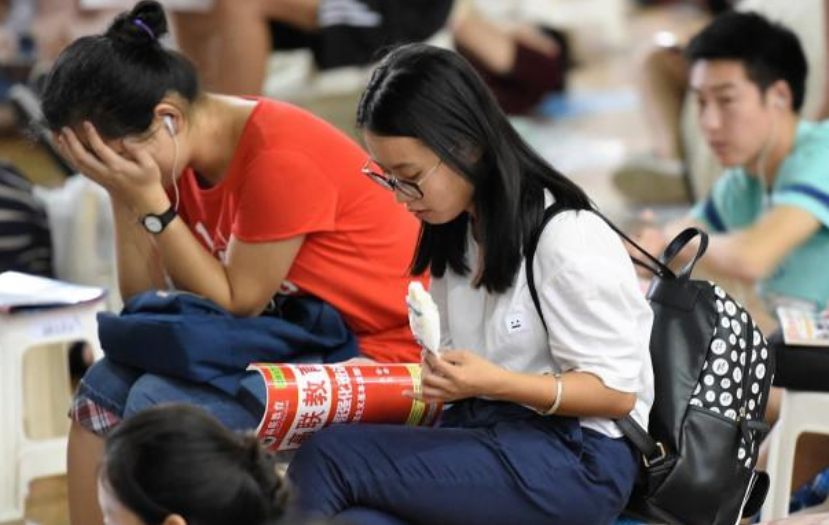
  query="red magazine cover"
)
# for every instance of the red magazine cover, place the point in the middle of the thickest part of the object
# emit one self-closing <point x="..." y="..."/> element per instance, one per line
<point x="304" y="398"/>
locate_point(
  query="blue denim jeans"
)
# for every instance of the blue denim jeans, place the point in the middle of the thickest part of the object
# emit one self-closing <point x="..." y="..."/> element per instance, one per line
<point x="123" y="391"/>
<point x="487" y="463"/>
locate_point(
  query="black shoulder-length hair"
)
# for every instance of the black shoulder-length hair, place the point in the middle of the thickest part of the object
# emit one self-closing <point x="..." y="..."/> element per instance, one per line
<point x="434" y="96"/>
<point x="178" y="459"/>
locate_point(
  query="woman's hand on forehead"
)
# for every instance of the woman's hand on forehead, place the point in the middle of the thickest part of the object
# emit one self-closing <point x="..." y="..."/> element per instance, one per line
<point x="132" y="177"/>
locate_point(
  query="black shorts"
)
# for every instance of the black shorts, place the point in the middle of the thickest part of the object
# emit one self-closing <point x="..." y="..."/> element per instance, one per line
<point x="358" y="32"/>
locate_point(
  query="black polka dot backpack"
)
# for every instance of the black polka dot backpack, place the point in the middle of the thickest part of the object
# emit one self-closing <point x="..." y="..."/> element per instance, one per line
<point x="712" y="375"/>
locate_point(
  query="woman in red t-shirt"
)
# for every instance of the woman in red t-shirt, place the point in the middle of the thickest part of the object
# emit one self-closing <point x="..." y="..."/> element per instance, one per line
<point x="232" y="199"/>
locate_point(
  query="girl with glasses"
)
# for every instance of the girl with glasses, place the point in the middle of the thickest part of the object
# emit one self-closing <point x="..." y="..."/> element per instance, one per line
<point x="529" y="437"/>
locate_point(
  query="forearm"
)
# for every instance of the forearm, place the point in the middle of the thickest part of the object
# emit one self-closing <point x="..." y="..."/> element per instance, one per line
<point x="139" y="268"/>
<point x="583" y="394"/>
<point x="192" y="268"/>
<point x="736" y="255"/>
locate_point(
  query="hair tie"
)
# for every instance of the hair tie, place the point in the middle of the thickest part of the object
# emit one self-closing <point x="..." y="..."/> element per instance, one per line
<point x="140" y="23"/>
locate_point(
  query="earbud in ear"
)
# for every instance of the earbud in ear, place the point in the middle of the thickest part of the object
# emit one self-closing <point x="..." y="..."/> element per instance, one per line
<point x="780" y="102"/>
<point x="170" y="124"/>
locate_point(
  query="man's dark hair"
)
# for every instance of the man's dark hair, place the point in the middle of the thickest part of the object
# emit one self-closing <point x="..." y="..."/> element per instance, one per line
<point x="768" y="51"/>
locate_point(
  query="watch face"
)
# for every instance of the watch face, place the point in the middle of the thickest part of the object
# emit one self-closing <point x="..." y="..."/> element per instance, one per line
<point x="153" y="224"/>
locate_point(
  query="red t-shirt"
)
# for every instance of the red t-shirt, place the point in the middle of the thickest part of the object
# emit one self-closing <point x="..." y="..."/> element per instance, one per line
<point x="294" y="174"/>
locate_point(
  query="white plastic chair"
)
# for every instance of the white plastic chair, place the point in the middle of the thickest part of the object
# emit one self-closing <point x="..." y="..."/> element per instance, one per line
<point x="22" y="457"/>
<point x="799" y="412"/>
<point x="83" y="235"/>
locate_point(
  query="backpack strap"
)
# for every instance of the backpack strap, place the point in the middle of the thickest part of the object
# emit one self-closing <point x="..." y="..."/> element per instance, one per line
<point x="529" y="254"/>
<point x="678" y="244"/>
<point x="658" y="267"/>
<point x="653" y="452"/>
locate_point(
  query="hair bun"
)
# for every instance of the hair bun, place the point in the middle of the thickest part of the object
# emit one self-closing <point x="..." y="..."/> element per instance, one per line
<point x="145" y="24"/>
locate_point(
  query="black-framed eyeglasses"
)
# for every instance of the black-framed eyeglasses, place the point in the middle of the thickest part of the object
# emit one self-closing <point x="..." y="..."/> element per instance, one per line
<point x="408" y="188"/>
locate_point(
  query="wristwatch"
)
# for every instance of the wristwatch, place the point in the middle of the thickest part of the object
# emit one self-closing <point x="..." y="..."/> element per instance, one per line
<point x="155" y="224"/>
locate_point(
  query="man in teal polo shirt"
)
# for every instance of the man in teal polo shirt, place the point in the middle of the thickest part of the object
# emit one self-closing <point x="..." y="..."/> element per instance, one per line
<point x="768" y="214"/>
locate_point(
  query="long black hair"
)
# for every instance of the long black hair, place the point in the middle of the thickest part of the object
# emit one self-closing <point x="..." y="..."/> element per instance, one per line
<point x="116" y="79"/>
<point x="177" y="459"/>
<point x="435" y="96"/>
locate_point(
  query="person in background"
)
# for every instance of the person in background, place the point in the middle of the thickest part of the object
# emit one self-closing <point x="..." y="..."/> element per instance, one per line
<point x="678" y="168"/>
<point x="231" y="43"/>
<point x="768" y="214"/>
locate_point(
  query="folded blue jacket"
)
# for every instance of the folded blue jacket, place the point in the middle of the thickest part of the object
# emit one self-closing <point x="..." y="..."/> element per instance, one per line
<point x="190" y="337"/>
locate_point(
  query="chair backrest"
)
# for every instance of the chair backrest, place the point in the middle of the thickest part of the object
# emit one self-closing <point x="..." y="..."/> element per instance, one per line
<point x="81" y="218"/>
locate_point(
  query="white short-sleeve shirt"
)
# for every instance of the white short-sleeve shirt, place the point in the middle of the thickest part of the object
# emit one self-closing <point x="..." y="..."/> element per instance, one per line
<point x="598" y="318"/>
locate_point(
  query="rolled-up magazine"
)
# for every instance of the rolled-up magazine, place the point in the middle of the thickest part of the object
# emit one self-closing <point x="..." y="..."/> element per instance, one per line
<point x="304" y="398"/>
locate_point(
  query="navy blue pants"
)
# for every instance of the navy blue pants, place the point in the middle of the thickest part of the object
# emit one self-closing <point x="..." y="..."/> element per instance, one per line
<point x="487" y="463"/>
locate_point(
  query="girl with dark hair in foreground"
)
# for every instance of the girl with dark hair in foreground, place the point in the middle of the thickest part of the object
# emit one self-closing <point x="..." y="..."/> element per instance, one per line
<point x="177" y="465"/>
<point x="530" y="436"/>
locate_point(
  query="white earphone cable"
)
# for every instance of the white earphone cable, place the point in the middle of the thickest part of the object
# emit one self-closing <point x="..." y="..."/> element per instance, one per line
<point x="173" y="173"/>
<point x="761" y="164"/>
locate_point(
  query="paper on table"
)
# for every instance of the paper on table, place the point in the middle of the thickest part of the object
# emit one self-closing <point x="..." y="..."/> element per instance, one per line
<point x="803" y="327"/>
<point x="20" y="291"/>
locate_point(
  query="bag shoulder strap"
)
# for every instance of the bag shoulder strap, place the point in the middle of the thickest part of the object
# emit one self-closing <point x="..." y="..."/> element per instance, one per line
<point x="653" y="453"/>
<point x="656" y="266"/>
<point x="529" y="255"/>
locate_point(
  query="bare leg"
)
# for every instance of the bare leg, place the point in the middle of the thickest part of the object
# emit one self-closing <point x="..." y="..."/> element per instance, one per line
<point x="83" y="456"/>
<point x="812" y="457"/>
<point x="301" y="14"/>
<point x="494" y="44"/>
<point x="230" y="45"/>
<point x="487" y="42"/>
<point x="199" y="39"/>
<point x="773" y="405"/>
<point x="662" y="84"/>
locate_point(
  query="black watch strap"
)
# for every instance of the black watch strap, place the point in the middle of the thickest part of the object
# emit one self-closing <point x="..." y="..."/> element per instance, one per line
<point x="156" y="223"/>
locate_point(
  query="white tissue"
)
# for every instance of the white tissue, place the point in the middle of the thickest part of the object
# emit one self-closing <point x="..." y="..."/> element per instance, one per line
<point x="424" y="318"/>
